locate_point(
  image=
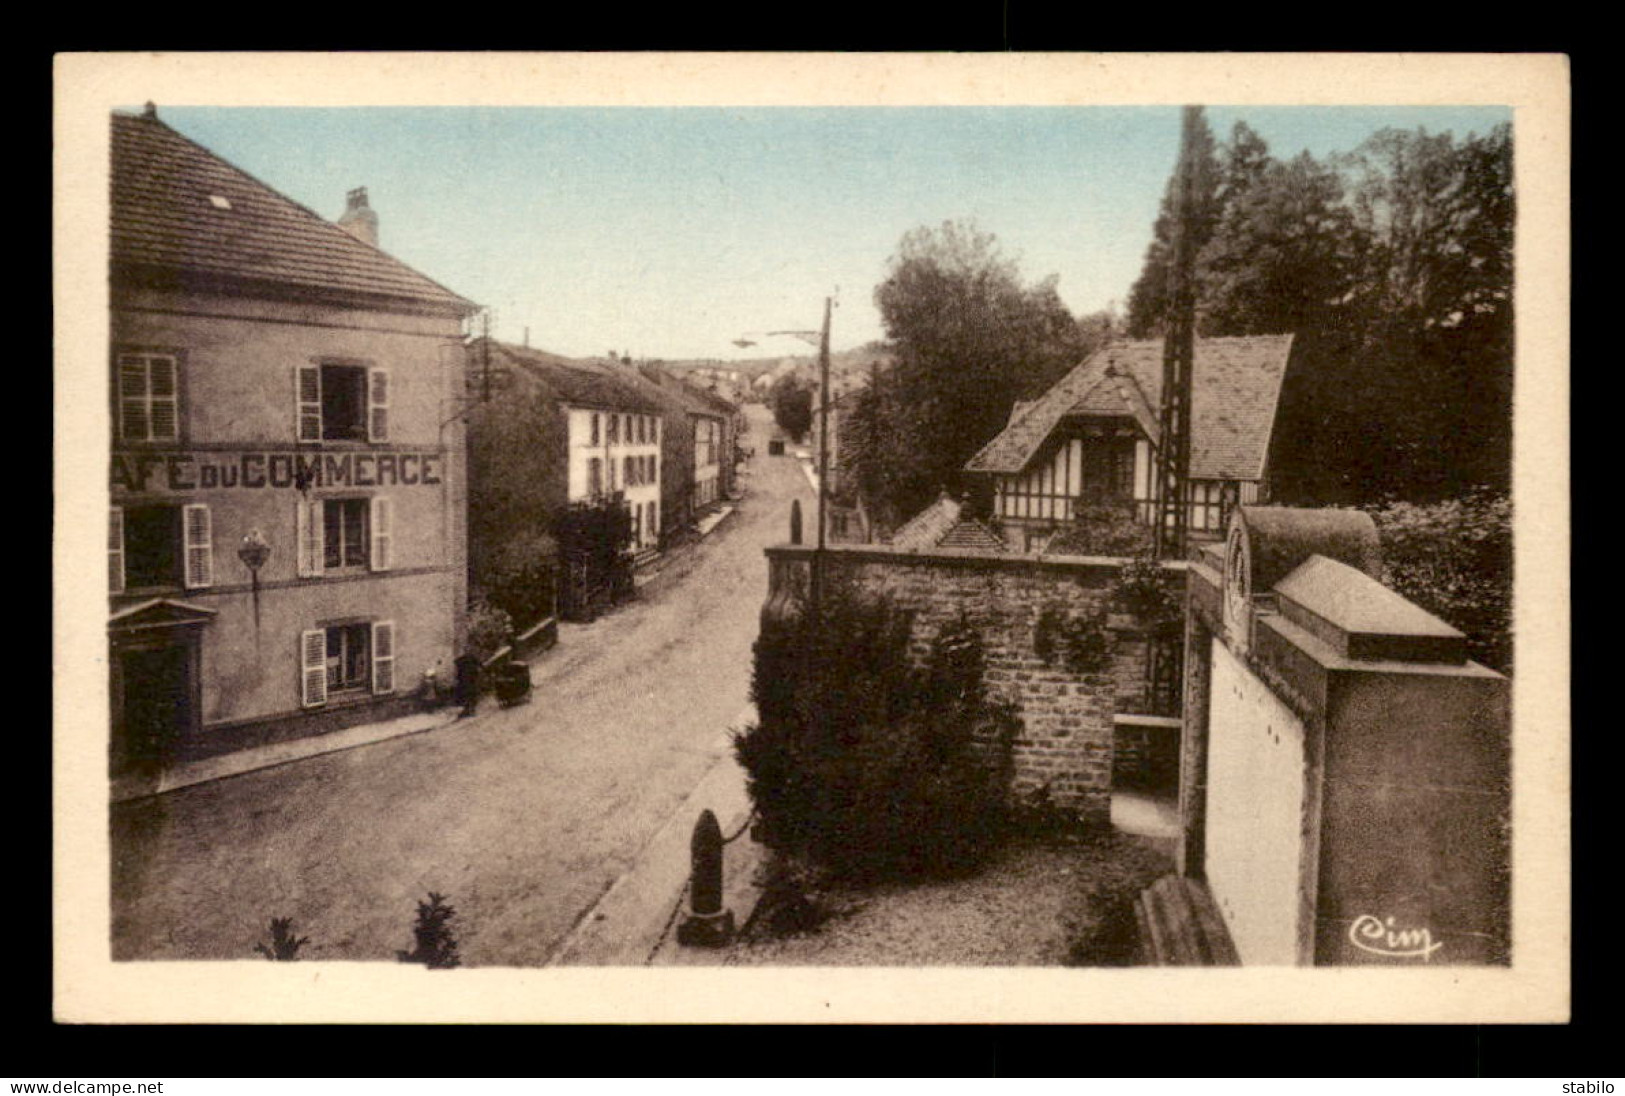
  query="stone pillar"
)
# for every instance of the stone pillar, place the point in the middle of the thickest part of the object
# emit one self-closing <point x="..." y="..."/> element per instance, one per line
<point x="708" y="923"/>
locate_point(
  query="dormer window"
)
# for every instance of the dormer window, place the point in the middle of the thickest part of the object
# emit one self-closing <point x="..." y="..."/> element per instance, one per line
<point x="219" y="201"/>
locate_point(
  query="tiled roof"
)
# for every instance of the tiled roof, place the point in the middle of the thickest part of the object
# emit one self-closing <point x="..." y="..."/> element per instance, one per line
<point x="583" y="383"/>
<point x="923" y="529"/>
<point x="970" y="533"/>
<point x="180" y="210"/>
<point x="1235" y="386"/>
<point x="942" y="525"/>
<point x="672" y="393"/>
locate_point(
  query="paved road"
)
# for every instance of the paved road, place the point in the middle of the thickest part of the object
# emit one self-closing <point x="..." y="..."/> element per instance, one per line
<point x="522" y="817"/>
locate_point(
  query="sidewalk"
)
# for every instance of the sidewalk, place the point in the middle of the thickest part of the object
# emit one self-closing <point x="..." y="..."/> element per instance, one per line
<point x="635" y="922"/>
<point x="187" y="773"/>
<point x="703" y="528"/>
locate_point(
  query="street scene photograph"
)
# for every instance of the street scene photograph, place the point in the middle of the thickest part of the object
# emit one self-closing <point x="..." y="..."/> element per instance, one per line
<point x="765" y="537"/>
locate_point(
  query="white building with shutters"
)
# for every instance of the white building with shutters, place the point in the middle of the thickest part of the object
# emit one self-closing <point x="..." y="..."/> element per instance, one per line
<point x="286" y="544"/>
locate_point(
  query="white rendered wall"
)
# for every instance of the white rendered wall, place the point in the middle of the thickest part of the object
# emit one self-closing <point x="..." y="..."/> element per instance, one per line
<point x="1254" y="813"/>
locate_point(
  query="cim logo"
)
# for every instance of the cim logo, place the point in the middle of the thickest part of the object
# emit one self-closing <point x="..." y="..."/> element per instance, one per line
<point x="1379" y="937"/>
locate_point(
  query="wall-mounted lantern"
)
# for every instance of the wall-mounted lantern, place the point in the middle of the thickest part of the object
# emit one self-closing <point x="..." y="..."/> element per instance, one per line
<point x="254" y="552"/>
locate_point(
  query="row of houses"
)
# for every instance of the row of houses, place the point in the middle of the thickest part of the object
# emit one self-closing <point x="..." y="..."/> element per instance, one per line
<point x="299" y="425"/>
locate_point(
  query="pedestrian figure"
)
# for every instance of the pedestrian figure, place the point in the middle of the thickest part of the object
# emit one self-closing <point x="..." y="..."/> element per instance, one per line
<point x="468" y="684"/>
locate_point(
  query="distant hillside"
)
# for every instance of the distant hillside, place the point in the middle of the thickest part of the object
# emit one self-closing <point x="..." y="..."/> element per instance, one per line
<point x="841" y="363"/>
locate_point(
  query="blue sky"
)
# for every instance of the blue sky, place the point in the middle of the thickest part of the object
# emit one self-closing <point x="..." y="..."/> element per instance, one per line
<point x="669" y="232"/>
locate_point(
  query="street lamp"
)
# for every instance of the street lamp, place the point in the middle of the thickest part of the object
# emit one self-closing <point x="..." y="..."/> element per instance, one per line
<point x="254" y="552"/>
<point x="819" y="339"/>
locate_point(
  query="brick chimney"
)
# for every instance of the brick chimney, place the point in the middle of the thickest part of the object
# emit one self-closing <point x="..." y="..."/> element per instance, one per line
<point x="359" y="220"/>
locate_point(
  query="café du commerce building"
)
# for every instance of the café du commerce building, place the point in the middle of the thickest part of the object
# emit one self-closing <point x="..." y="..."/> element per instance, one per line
<point x="286" y="538"/>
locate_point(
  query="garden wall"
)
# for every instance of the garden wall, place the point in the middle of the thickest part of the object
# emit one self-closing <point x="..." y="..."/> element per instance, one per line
<point x="1066" y="745"/>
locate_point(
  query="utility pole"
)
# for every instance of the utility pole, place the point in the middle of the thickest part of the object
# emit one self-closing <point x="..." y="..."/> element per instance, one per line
<point x="823" y="460"/>
<point x="1178" y="352"/>
<point x="485" y="357"/>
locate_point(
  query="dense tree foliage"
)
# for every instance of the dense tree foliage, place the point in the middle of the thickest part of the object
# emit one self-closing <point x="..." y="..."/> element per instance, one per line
<point x="968" y="337"/>
<point x="1454" y="558"/>
<point x="594" y="539"/>
<point x="792" y="404"/>
<point x="517" y="462"/>
<point x="1393" y="266"/>
<point x="867" y="763"/>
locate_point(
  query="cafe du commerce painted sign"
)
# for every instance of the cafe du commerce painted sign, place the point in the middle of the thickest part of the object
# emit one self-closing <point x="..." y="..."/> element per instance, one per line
<point x="205" y="471"/>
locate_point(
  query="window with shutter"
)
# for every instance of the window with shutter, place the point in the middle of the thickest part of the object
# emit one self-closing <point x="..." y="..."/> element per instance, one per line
<point x="153" y="547"/>
<point x="346" y="542"/>
<point x="349" y="658"/>
<point x="310" y="528"/>
<point x="132" y="394"/>
<point x="378" y="405"/>
<point x="313" y="667"/>
<point x="163" y="416"/>
<point x="307" y="394"/>
<point x="383" y="522"/>
<point x="383" y="656"/>
<point x="115" y="550"/>
<point x="149" y="397"/>
<point x="199" y="546"/>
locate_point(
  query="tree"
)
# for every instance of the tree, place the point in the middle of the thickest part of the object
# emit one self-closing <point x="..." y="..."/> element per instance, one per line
<point x="968" y="338"/>
<point x="1148" y="299"/>
<point x="594" y="538"/>
<point x="1432" y="302"/>
<point x="792" y="406"/>
<point x="1392" y="265"/>
<point x="517" y="462"/>
<point x="1280" y="255"/>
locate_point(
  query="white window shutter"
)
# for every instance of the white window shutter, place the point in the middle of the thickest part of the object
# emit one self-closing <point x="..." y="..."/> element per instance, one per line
<point x="383" y="656"/>
<point x="378" y="405"/>
<point x="199" y="534"/>
<point x="313" y="667"/>
<point x="310" y="537"/>
<point x="383" y="533"/>
<point x="115" y="550"/>
<point x="307" y="394"/>
<point x="162" y="389"/>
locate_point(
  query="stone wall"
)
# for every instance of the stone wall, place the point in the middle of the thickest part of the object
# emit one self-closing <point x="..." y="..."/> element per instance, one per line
<point x="1066" y="744"/>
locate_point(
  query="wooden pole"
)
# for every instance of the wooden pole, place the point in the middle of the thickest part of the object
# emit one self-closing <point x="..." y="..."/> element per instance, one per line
<point x="823" y="460"/>
<point x="1178" y="351"/>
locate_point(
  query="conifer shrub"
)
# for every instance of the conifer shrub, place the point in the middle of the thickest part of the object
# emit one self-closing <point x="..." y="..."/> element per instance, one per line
<point x="434" y="942"/>
<point x="869" y="764"/>
<point x="284" y="946"/>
